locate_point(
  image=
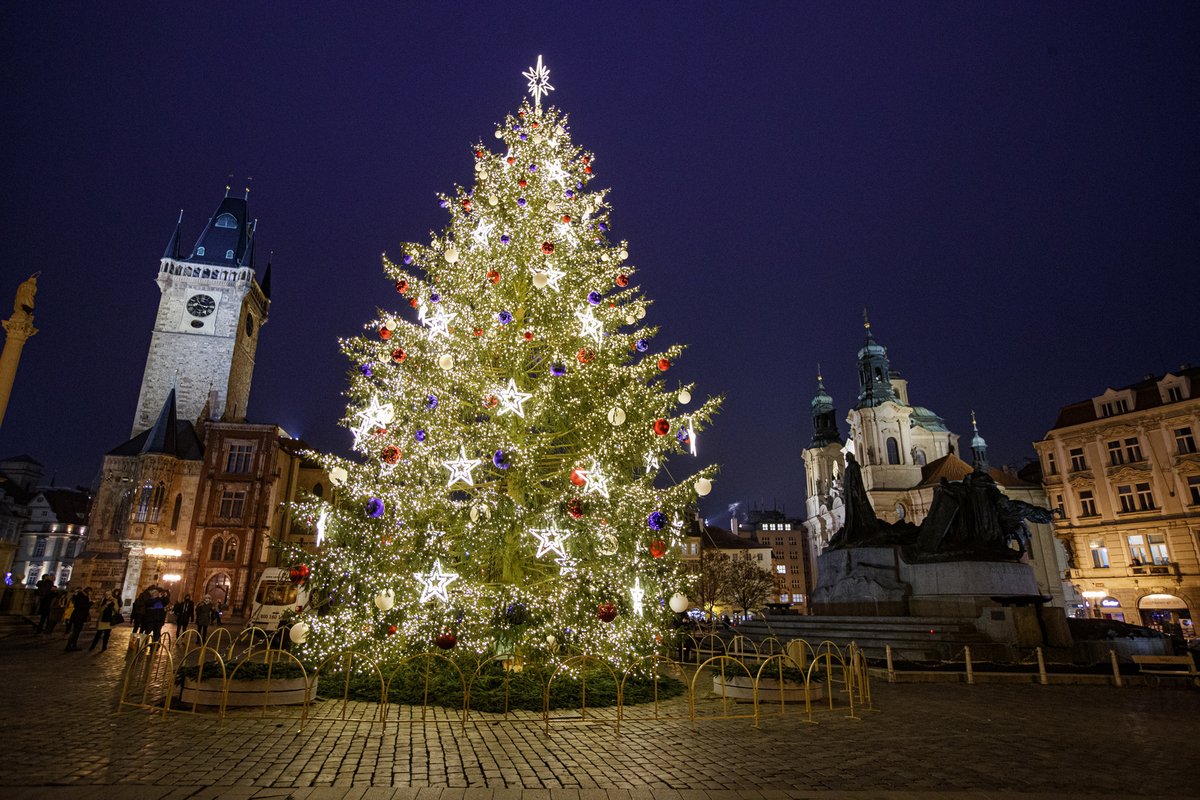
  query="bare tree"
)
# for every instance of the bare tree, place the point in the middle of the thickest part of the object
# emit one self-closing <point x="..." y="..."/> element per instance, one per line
<point x="749" y="585"/>
<point x="712" y="581"/>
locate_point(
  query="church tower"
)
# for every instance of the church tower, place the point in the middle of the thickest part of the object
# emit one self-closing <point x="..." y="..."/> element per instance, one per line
<point x="209" y="315"/>
<point x="823" y="460"/>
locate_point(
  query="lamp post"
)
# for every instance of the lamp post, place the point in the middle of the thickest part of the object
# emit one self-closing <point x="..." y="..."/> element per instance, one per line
<point x="161" y="554"/>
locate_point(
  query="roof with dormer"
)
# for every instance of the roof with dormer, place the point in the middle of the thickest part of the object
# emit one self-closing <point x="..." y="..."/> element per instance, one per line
<point x="226" y="241"/>
<point x="168" y="436"/>
<point x="1145" y="395"/>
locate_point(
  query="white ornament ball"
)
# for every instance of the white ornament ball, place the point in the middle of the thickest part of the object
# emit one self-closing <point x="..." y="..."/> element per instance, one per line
<point x="624" y="255"/>
<point x="479" y="166"/>
<point x="339" y="476"/>
<point x="499" y="133"/>
<point x="679" y="602"/>
<point x="390" y="324"/>
<point x="385" y="599"/>
<point x="446" y="361"/>
<point x="608" y="545"/>
<point x="604" y="258"/>
<point x="641" y="312"/>
<point x="480" y="511"/>
<point x="685" y="397"/>
<point x="493" y="200"/>
<point x="541" y="279"/>
<point x="703" y="486"/>
<point x="616" y="415"/>
<point x="298" y="633"/>
<point x="451" y="255"/>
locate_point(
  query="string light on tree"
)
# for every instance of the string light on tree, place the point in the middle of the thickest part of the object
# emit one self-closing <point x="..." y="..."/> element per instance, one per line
<point x="636" y="594"/>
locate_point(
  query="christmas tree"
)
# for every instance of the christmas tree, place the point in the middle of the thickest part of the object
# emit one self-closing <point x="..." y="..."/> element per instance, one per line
<point x="512" y="419"/>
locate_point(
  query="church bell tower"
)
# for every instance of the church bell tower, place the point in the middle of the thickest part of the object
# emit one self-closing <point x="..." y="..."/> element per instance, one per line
<point x="209" y="314"/>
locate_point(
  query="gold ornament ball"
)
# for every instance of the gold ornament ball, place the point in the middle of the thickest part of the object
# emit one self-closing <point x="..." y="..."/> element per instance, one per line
<point x="451" y="255"/>
<point x="493" y="200"/>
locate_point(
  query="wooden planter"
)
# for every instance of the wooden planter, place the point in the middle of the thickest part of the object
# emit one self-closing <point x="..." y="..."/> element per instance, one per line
<point x="740" y="687"/>
<point x="276" y="692"/>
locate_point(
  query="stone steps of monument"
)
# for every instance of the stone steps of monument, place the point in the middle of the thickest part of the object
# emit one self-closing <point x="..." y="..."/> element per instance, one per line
<point x="13" y="624"/>
<point x="911" y="638"/>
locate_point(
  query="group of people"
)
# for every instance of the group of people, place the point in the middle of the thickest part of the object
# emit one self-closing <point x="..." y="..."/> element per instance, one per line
<point x="148" y="615"/>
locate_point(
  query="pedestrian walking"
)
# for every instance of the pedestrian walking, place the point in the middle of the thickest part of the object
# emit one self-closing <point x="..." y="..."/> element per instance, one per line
<point x="184" y="610"/>
<point x="204" y="617"/>
<point x="138" y="614"/>
<point x="44" y="592"/>
<point x="155" y="615"/>
<point x="81" y="606"/>
<point x="109" y="614"/>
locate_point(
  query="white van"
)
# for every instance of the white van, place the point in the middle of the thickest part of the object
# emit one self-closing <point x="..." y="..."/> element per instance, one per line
<point x="276" y="596"/>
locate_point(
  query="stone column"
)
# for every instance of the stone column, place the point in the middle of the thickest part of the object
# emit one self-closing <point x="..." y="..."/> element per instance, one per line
<point x="18" y="328"/>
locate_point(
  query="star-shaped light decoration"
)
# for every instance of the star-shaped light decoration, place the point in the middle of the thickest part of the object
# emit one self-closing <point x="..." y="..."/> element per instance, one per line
<point x="512" y="400"/>
<point x="322" y="521"/>
<point x="589" y="326"/>
<point x="460" y="468"/>
<point x="691" y="429"/>
<point x="539" y="82"/>
<point x="375" y="415"/>
<point x="435" y="582"/>
<point x="439" y="323"/>
<point x="563" y="232"/>
<point x="551" y="540"/>
<point x="566" y="565"/>
<point x="636" y="594"/>
<point x="482" y="233"/>
<point x="556" y="173"/>
<point x="651" y="461"/>
<point x="594" y="480"/>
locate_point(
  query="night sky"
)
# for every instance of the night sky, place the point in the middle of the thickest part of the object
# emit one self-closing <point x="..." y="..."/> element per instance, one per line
<point x="1010" y="188"/>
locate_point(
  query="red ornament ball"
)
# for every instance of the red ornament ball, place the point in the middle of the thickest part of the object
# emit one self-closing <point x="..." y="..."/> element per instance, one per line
<point x="490" y="401"/>
<point x="566" y="218"/>
<point x="547" y="248"/>
<point x="413" y="302"/>
<point x="466" y="204"/>
<point x="511" y="160"/>
<point x="577" y="477"/>
<point x="446" y="640"/>
<point x="493" y="276"/>
<point x="528" y="336"/>
<point x="398" y="355"/>
<point x="607" y="612"/>
<point x="584" y="356"/>
<point x="664" y="364"/>
<point x="479" y="154"/>
<point x="478" y="331"/>
<point x="402" y="287"/>
<point x="534" y="126"/>
<point x="575" y="508"/>
<point x="586" y="159"/>
<point x="658" y="548"/>
<point x="385" y="334"/>
<point x="391" y="454"/>
<point x="391" y="630"/>
<point x="522" y="183"/>
<point x="662" y="427"/>
<point x="622" y="281"/>
<point x="587" y="170"/>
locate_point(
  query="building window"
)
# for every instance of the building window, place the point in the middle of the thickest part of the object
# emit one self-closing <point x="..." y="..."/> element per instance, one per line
<point x="1133" y="450"/>
<point x="1116" y="456"/>
<point x="1158" y="548"/>
<point x="1051" y="464"/>
<point x="893" y="450"/>
<point x="33" y="575"/>
<point x="1137" y="550"/>
<point x="1058" y="506"/>
<point x="1194" y="489"/>
<point x="1125" y="495"/>
<point x="758" y="556"/>
<point x="318" y="490"/>
<point x="226" y="220"/>
<point x="1145" y="497"/>
<point x="232" y="504"/>
<point x="156" y="503"/>
<point x="1100" y="557"/>
<point x="231" y="549"/>
<point x="239" y="458"/>
<point x="229" y="254"/>
<point x="1184" y="441"/>
<point x="1078" y="462"/>
<point x="781" y="569"/>
<point x="919" y="457"/>
<point x="783" y="598"/>
<point x="200" y="252"/>
<point x="216" y="550"/>
<point x="39" y="546"/>
<point x="143" y="507"/>
<point x="1174" y="394"/>
<point x="1087" y="504"/>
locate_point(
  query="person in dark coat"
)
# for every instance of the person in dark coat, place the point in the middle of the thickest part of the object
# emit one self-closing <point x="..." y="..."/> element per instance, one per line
<point x="184" y="610"/>
<point x="79" y="616"/>
<point x="44" y="592"/>
<point x="204" y="616"/>
<point x="137" y="614"/>
<point x="156" y="612"/>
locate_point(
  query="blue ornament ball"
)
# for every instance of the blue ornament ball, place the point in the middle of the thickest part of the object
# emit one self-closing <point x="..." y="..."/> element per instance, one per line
<point x="558" y="369"/>
<point x="521" y="202"/>
<point x="505" y="317"/>
<point x="657" y="521"/>
<point x="366" y="370"/>
<point x="642" y="345"/>
<point x="419" y="435"/>
<point x="374" y="508"/>
<point x="431" y="402"/>
<point x="594" y="298"/>
<point x="500" y="459"/>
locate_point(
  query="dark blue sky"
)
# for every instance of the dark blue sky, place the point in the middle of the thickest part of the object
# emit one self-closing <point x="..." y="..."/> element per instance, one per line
<point x="1010" y="188"/>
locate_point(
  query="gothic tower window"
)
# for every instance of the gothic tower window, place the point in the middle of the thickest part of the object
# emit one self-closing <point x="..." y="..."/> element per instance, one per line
<point x="175" y="512"/>
<point x="143" y="507"/>
<point x="231" y="549"/>
<point x="318" y="490"/>
<point x="156" y="502"/>
<point x="217" y="549"/>
<point x="893" y="450"/>
<point x="919" y="457"/>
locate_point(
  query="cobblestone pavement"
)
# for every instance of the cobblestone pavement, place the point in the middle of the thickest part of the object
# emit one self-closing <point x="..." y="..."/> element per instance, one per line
<point x="61" y="740"/>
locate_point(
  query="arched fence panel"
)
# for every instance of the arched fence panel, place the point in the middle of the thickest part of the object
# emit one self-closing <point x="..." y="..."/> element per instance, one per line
<point x="657" y="664"/>
<point x="203" y="687"/>
<point x="349" y="664"/>
<point x="146" y="679"/>
<point x="497" y="668"/>
<point x="272" y="678"/>
<point x="578" y="667"/>
<point x="219" y="639"/>
<point x="423" y="677"/>
<point x="732" y="682"/>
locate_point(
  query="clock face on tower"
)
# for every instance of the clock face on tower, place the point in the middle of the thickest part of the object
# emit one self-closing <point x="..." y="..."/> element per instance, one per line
<point x="200" y="305"/>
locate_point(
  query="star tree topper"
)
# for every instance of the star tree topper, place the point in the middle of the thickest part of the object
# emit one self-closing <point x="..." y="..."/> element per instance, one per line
<point x="539" y="82"/>
<point x="435" y="582"/>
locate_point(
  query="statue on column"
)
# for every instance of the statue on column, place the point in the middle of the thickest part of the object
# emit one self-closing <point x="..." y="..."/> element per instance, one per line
<point x="23" y="303"/>
<point x="17" y="330"/>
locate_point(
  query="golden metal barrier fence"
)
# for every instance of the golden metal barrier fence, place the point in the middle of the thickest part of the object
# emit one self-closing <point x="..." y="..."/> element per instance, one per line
<point x="582" y="661"/>
<point x="429" y="658"/>
<point x="348" y="657"/>
<point x="271" y="658"/>
<point x="146" y="676"/>
<point x="200" y="693"/>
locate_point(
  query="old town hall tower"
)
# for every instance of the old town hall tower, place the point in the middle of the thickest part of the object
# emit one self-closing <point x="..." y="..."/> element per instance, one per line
<point x="209" y="316"/>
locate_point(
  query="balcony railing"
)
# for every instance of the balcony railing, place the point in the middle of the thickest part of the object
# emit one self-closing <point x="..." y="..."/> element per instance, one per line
<point x="1170" y="568"/>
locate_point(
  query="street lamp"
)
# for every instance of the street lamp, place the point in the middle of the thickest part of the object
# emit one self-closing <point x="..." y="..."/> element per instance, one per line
<point x="161" y="554"/>
<point x="1094" y="598"/>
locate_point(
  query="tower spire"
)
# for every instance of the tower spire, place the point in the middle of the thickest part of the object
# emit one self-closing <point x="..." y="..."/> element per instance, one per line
<point x="874" y="371"/>
<point x="978" y="446"/>
<point x="824" y="416"/>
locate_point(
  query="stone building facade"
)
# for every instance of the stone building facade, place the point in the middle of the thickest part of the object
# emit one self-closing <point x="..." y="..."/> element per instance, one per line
<point x="1123" y="469"/>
